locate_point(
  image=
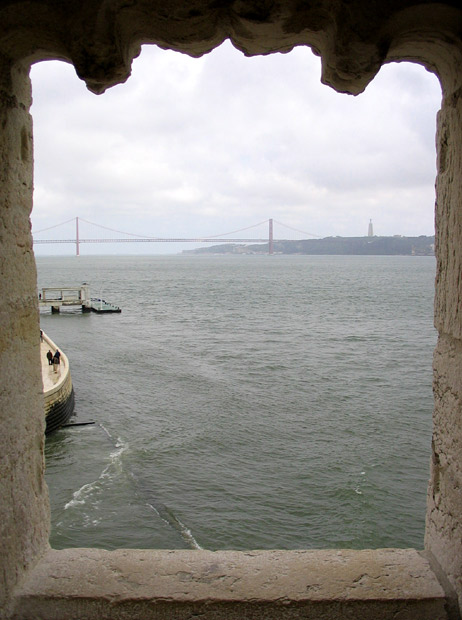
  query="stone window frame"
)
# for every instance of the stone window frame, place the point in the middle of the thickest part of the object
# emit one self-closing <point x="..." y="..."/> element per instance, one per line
<point x="100" y="38"/>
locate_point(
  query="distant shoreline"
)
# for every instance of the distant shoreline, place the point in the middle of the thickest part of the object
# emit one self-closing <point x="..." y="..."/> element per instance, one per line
<point x="358" y="246"/>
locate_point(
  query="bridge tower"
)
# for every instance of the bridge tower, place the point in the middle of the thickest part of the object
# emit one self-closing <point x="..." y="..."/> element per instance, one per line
<point x="77" y="244"/>
<point x="270" y="237"/>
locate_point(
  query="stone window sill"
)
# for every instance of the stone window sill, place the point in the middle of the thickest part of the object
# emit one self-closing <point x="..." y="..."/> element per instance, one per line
<point x="127" y="584"/>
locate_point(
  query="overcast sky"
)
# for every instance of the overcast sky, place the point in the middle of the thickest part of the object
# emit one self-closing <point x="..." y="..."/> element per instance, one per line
<point x="198" y="147"/>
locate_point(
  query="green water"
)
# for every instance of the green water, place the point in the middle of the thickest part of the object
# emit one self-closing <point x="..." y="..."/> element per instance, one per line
<point x="245" y="402"/>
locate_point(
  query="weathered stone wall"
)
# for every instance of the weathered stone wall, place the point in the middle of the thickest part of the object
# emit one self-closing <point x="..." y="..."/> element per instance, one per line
<point x="24" y="500"/>
<point x="444" y="510"/>
<point x="100" y="37"/>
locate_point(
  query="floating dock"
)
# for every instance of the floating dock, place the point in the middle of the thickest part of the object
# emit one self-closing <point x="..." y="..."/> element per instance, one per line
<point x="57" y="297"/>
<point x="101" y="306"/>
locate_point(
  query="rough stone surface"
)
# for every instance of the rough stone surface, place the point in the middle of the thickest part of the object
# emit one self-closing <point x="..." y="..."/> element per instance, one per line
<point x="444" y="507"/>
<point x="354" y="38"/>
<point x="101" y="37"/>
<point x="24" y="500"/>
<point x="91" y="583"/>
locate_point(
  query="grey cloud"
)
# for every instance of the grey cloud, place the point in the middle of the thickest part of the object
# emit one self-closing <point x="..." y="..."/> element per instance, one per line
<point x="192" y="143"/>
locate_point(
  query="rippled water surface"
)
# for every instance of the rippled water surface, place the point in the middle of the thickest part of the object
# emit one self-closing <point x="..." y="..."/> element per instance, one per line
<point x="244" y="402"/>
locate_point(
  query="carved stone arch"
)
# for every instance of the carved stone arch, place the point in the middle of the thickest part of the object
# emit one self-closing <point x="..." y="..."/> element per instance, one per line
<point x="101" y="37"/>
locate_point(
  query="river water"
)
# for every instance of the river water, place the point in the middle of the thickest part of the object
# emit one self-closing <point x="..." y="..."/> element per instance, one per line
<point x="244" y="402"/>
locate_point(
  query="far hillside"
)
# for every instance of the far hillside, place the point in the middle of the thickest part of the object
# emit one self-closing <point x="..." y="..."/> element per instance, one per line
<point x="380" y="246"/>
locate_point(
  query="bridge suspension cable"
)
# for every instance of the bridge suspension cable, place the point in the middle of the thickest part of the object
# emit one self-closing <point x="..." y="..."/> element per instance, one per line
<point x="233" y="232"/>
<point x="36" y="232"/>
<point x="297" y="229"/>
<point x="123" y="232"/>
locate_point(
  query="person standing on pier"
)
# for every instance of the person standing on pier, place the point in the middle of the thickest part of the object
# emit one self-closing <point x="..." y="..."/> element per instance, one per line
<point x="56" y="360"/>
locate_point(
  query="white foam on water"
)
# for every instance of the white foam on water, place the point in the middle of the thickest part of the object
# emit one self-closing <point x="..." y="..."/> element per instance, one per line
<point x="357" y="488"/>
<point x="189" y="538"/>
<point x="174" y="522"/>
<point x="82" y="495"/>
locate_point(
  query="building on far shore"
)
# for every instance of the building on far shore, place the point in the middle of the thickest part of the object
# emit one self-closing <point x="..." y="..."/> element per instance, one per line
<point x="370" y="232"/>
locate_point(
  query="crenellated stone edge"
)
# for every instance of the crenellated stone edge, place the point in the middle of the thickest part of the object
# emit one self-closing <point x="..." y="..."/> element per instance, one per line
<point x="101" y="37"/>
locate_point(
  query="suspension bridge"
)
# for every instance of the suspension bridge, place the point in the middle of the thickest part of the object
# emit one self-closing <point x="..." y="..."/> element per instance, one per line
<point x="78" y="240"/>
